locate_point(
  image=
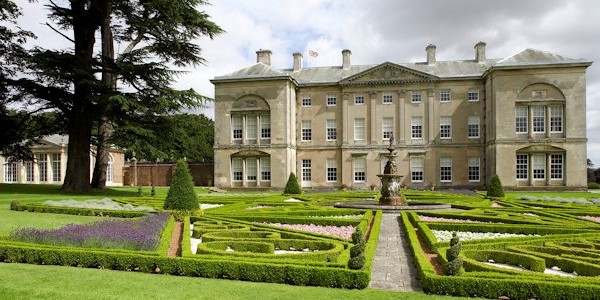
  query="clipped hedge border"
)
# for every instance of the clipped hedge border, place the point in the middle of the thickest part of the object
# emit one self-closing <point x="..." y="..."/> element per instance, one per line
<point x="238" y="235"/>
<point x="77" y="211"/>
<point x="566" y="264"/>
<point x="514" y="287"/>
<point x="474" y="260"/>
<point x="209" y="268"/>
<point x="328" y="251"/>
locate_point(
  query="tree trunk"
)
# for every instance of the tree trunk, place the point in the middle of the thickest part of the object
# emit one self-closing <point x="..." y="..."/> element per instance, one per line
<point x="85" y="23"/>
<point x="77" y="176"/>
<point x="105" y="128"/>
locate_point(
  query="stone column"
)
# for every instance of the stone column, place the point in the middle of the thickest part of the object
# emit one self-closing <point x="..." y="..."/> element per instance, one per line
<point x="134" y="170"/>
<point x="401" y="133"/>
<point x="430" y="117"/>
<point x="344" y="118"/>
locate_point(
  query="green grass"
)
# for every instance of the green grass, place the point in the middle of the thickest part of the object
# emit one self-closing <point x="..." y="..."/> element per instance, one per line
<point x="586" y="195"/>
<point x="22" y="281"/>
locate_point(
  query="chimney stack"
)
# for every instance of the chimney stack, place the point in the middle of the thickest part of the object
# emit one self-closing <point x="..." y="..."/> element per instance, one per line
<point x="480" y="52"/>
<point x="346" y="59"/>
<point x="264" y="56"/>
<point x="430" y="54"/>
<point x="297" y="61"/>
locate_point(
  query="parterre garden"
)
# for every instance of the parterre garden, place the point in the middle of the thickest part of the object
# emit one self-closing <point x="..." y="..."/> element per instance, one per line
<point x="532" y="247"/>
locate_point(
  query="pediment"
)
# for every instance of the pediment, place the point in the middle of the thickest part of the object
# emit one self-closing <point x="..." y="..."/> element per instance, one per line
<point x="541" y="149"/>
<point x="388" y="73"/>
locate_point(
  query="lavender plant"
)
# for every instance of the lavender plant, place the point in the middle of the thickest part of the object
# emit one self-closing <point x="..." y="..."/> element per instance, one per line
<point x="131" y="234"/>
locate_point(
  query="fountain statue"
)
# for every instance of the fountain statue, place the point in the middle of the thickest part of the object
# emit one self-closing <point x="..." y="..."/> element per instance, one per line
<point x="390" y="180"/>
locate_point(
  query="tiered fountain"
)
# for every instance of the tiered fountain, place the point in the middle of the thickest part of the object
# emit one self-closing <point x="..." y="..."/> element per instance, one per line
<point x="391" y="200"/>
<point x="390" y="180"/>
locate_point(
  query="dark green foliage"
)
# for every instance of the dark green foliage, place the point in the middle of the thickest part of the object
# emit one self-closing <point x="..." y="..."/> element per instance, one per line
<point x="357" y="250"/>
<point x="140" y="192"/>
<point x="455" y="262"/>
<point x="181" y="194"/>
<point x="358" y="236"/>
<point x="292" y="186"/>
<point x="593" y="185"/>
<point x="495" y="189"/>
<point x="152" y="191"/>
<point x="356" y="263"/>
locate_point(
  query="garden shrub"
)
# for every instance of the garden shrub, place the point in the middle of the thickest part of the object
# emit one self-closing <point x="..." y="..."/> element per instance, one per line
<point x="455" y="263"/>
<point x="358" y="236"/>
<point x="356" y="263"/>
<point x="181" y="194"/>
<point x="292" y="187"/>
<point x="495" y="189"/>
<point x="593" y="185"/>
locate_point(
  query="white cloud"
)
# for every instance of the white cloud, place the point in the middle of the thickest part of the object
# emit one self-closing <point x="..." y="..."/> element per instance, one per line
<point x="383" y="30"/>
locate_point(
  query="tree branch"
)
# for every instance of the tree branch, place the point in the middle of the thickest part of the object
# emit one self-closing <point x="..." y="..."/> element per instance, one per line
<point x="63" y="35"/>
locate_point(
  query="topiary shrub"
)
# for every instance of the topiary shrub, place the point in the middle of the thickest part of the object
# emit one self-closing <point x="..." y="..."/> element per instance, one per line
<point x="455" y="262"/>
<point x="181" y="194"/>
<point x="357" y="252"/>
<point x="495" y="189"/>
<point x="140" y="193"/>
<point x="292" y="186"/>
<point x="356" y="263"/>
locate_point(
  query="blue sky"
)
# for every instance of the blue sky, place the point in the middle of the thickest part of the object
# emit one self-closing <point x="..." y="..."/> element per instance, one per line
<point x="377" y="31"/>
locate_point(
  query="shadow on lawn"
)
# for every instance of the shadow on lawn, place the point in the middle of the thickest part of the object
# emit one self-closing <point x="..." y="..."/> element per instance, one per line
<point x="51" y="189"/>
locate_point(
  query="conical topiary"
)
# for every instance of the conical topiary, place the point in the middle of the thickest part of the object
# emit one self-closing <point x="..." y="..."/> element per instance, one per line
<point x="292" y="186"/>
<point x="181" y="194"/>
<point x="495" y="189"/>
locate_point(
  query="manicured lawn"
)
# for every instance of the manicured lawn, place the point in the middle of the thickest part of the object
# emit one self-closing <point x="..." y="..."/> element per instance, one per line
<point x="22" y="281"/>
<point x="586" y="195"/>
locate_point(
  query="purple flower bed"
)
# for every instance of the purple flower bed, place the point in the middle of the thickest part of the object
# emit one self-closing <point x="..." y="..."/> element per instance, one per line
<point x="139" y="234"/>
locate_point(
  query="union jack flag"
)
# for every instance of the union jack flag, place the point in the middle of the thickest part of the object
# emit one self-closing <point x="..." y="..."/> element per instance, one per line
<point x="313" y="53"/>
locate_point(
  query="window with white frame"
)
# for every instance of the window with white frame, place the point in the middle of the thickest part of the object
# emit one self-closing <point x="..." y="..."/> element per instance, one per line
<point x="538" y="167"/>
<point x="387" y="128"/>
<point x="359" y="129"/>
<point x="265" y="169"/>
<point x="56" y="169"/>
<point x="331" y="130"/>
<point x="359" y="99"/>
<point x="331" y="100"/>
<point x="29" y="171"/>
<point x="331" y="170"/>
<point x="360" y="169"/>
<point x="556" y="118"/>
<point x="445" y="96"/>
<point x="237" y="169"/>
<point x="251" y="127"/>
<point x="237" y="125"/>
<point x="522" y="166"/>
<point x="474" y="170"/>
<point x="265" y="126"/>
<point x="42" y="167"/>
<point x="473" y="95"/>
<point x="446" y="127"/>
<point x="251" y="169"/>
<point x="306" y="102"/>
<point x="416" y="127"/>
<point x="306" y="131"/>
<point x="110" y="169"/>
<point x="415" y="97"/>
<point x="538" y="116"/>
<point x="11" y="174"/>
<point x="556" y="166"/>
<point x="446" y="169"/>
<point x="306" y="170"/>
<point x="521" y="119"/>
<point x="473" y="126"/>
<point x="388" y="98"/>
<point x="417" y="165"/>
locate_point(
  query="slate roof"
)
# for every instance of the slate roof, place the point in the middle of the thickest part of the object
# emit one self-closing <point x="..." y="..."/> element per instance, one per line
<point x="441" y="69"/>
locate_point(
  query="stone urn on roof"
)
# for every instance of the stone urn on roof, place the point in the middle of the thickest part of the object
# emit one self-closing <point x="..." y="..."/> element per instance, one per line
<point x="390" y="180"/>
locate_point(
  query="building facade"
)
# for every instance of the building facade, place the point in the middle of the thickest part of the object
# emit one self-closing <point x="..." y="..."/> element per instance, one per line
<point x="454" y="123"/>
<point x="50" y="164"/>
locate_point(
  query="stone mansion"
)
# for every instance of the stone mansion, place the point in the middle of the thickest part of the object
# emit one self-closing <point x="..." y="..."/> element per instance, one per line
<point x="454" y="123"/>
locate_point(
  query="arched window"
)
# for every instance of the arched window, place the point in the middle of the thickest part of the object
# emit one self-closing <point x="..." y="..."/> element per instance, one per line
<point x="251" y="121"/>
<point x="540" y="112"/>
